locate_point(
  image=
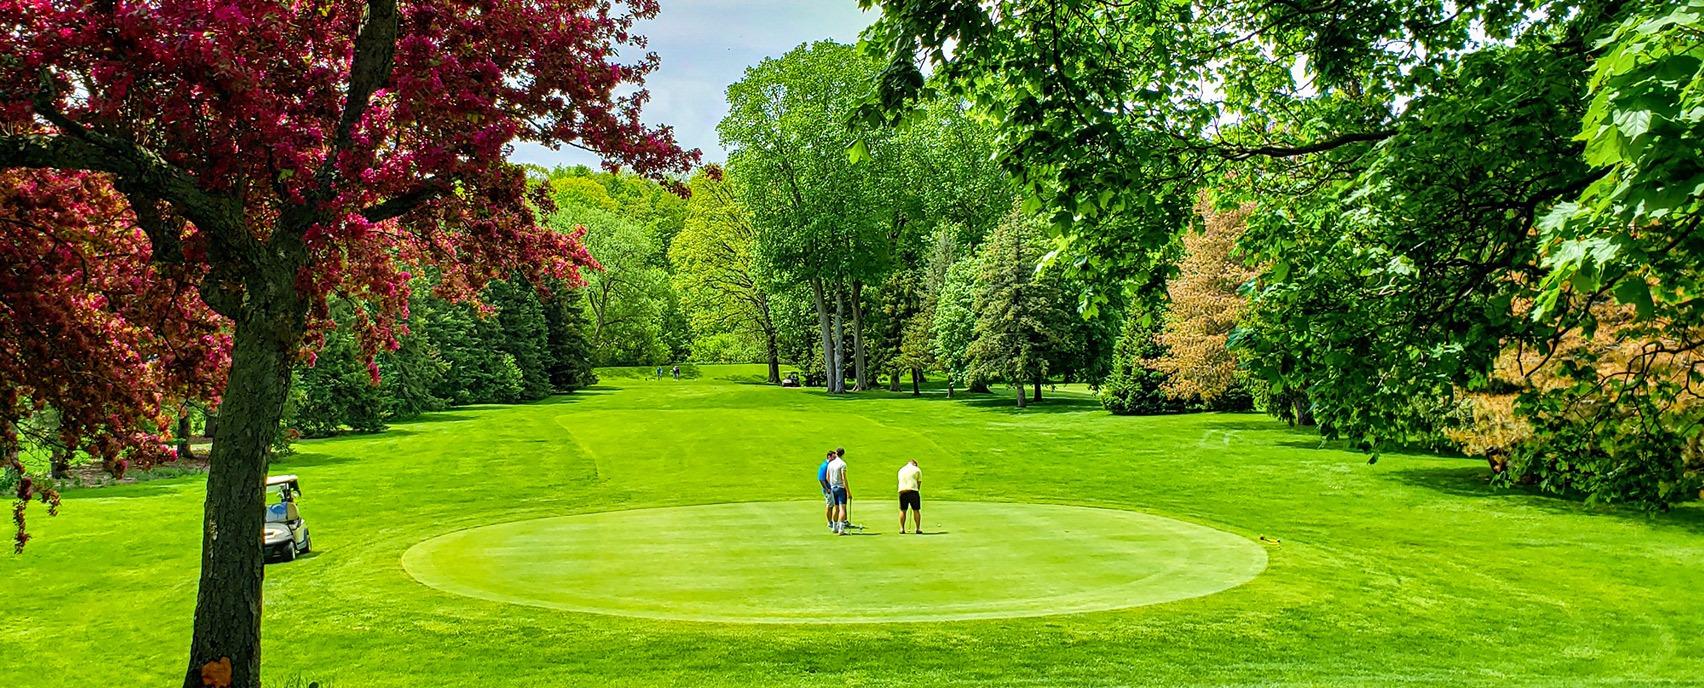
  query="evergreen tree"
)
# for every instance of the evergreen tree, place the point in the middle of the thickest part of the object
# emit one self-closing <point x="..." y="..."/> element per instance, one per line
<point x="477" y="371"/>
<point x="523" y="334"/>
<point x="409" y="374"/>
<point x="569" y="351"/>
<point x="1019" y="312"/>
<point x="337" y="390"/>
<point x="1135" y="388"/>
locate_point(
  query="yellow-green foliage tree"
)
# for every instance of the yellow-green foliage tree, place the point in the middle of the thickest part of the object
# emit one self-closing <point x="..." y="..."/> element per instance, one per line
<point x="1205" y="306"/>
<point x="716" y="273"/>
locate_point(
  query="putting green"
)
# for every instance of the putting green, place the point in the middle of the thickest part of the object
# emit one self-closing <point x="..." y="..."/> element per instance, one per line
<point x="776" y="562"/>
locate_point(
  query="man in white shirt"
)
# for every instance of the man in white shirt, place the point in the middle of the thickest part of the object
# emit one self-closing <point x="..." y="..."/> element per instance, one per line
<point x="911" y="496"/>
<point x="838" y="491"/>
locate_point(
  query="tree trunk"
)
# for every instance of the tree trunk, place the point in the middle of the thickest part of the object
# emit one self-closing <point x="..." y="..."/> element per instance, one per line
<point x="916" y="378"/>
<point x="773" y="353"/>
<point x="1020" y="388"/>
<point x="1038" y="389"/>
<point x="184" y="451"/>
<point x="61" y="461"/>
<point x="979" y="387"/>
<point x="893" y="381"/>
<point x="228" y="602"/>
<point x="837" y="376"/>
<point x="827" y="332"/>
<point x="858" y="370"/>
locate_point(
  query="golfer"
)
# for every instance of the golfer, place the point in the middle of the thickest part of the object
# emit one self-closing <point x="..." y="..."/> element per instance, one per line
<point x="838" y="492"/>
<point x="911" y="496"/>
<point x="827" y="494"/>
<point x="846" y="510"/>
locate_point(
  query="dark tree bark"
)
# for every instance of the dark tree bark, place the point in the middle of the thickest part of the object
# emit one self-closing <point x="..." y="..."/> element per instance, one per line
<point x="916" y="379"/>
<point x="270" y="323"/>
<point x="1038" y="389"/>
<point x="893" y="381"/>
<point x="184" y="451"/>
<point x="837" y="376"/>
<point x="1020" y="388"/>
<point x="821" y="301"/>
<point x="859" y="378"/>
<point x="772" y="352"/>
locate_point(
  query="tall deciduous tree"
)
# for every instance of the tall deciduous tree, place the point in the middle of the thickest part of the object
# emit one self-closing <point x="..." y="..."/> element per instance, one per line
<point x="955" y="324"/>
<point x="820" y="220"/>
<point x="1401" y="155"/>
<point x="716" y="271"/>
<point x="285" y="152"/>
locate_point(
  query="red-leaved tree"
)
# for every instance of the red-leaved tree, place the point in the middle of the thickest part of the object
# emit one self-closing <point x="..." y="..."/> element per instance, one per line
<point x="92" y="329"/>
<point x="284" y="151"/>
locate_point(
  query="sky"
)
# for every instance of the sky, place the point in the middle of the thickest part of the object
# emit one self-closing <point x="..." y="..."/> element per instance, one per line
<point x="705" y="45"/>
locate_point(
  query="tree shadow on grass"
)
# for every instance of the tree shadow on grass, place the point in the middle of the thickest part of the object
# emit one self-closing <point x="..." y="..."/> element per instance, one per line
<point x="1473" y="480"/>
<point x="309" y="460"/>
<point x="1059" y="402"/>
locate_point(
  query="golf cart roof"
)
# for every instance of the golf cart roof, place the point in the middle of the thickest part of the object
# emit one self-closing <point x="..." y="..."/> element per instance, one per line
<point x="273" y="480"/>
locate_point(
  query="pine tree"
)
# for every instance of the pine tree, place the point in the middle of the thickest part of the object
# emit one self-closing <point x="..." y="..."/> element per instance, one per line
<point x="524" y="334"/>
<point x="477" y="371"/>
<point x="569" y="351"/>
<point x="337" y="390"/>
<point x="1205" y="306"/>
<point x="1134" y="388"/>
<point x="1019" y="314"/>
<point x="410" y="373"/>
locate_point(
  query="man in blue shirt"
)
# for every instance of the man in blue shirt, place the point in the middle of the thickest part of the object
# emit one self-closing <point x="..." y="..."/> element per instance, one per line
<point x="827" y="494"/>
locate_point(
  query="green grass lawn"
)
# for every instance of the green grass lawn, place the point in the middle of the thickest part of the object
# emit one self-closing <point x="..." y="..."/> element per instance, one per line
<point x="1410" y="571"/>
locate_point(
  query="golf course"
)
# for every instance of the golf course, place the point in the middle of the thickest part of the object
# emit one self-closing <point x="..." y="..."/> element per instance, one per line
<point x="649" y="532"/>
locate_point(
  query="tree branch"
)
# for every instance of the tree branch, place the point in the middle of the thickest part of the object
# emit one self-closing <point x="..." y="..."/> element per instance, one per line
<point x="139" y="171"/>
<point x="1230" y="152"/>
<point x="375" y="48"/>
<point x="398" y="206"/>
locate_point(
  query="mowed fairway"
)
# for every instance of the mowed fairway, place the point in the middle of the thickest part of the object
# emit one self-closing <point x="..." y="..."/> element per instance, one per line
<point x="566" y="543"/>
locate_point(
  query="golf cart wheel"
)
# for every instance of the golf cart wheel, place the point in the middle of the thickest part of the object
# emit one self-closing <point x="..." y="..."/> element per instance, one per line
<point x="307" y="544"/>
<point x="290" y="551"/>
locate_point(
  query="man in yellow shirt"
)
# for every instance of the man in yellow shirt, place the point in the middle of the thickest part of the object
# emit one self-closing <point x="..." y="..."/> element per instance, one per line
<point x="911" y="495"/>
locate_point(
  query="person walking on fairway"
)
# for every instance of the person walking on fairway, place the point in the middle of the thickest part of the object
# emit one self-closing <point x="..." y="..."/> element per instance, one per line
<point x="677" y="372"/>
<point x="839" y="492"/>
<point x="659" y="372"/>
<point x="827" y="494"/>
<point x="911" y="496"/>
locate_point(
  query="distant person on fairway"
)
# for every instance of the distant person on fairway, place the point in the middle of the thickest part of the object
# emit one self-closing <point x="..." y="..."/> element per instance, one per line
<point x="659" y="372"/>
<point x="677" y="372"/>
<point x="911" y="495"/>
<point x="827" y="494"/>
<point x="838" y="491"/>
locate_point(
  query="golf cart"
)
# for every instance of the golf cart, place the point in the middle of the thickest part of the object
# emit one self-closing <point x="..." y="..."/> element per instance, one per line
<point x="792" y="380"/>
<point x="286" y="534"/>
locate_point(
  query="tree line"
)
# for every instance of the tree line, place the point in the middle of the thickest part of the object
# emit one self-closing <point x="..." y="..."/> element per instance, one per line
<point x="1469" y="226"/>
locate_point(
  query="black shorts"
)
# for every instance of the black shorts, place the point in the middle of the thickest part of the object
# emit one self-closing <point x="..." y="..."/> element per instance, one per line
<point x="910" y="499"/>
